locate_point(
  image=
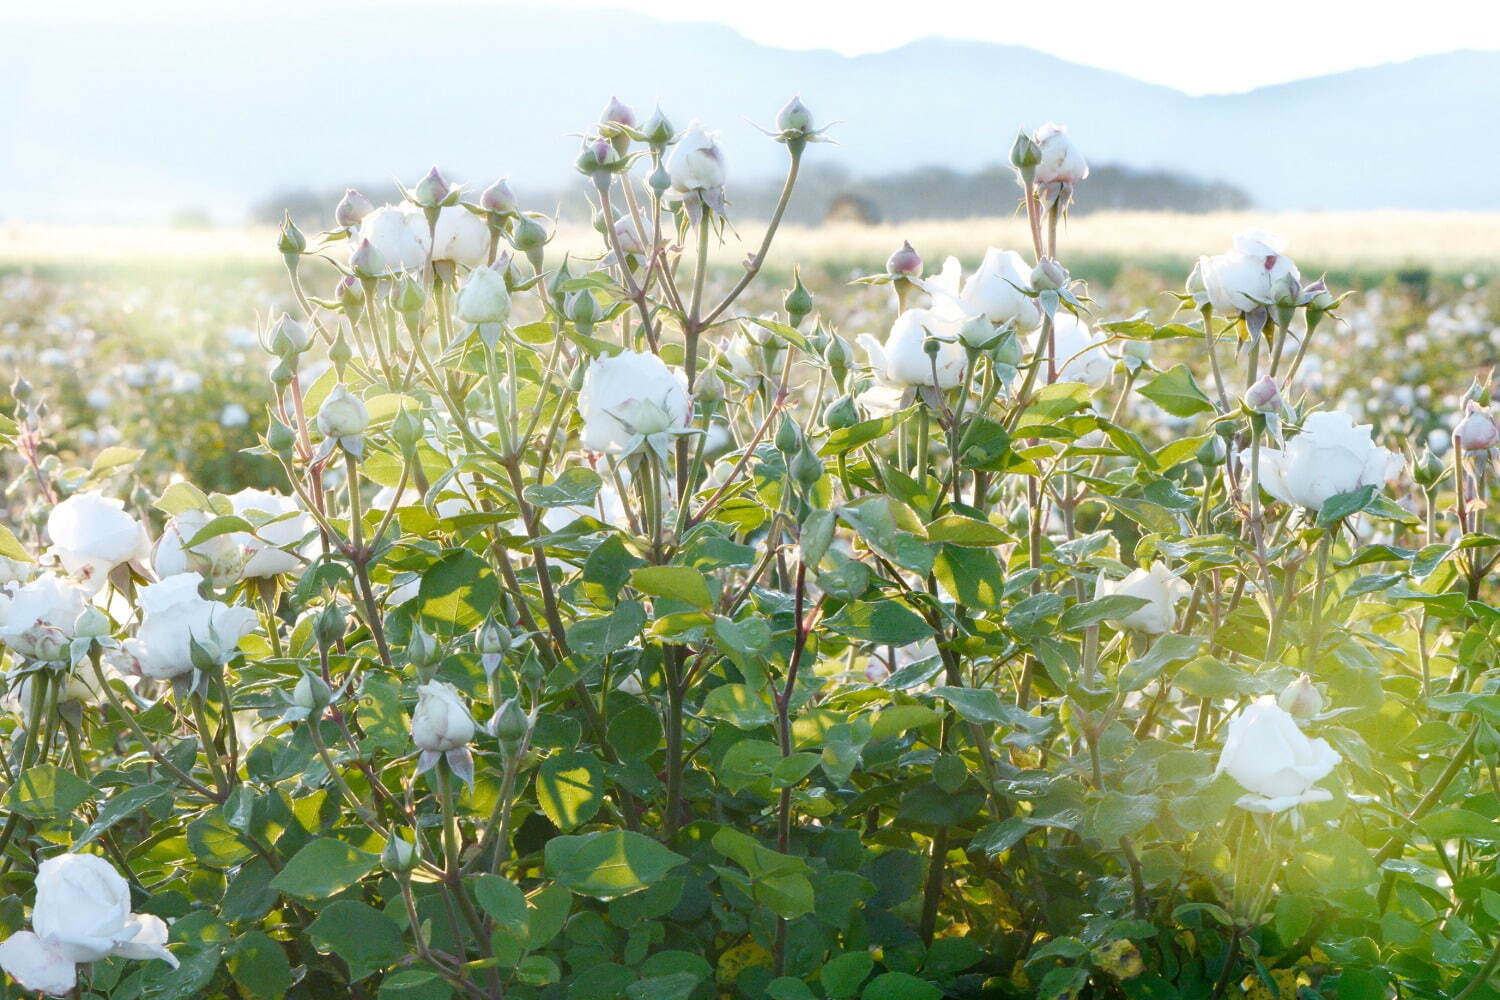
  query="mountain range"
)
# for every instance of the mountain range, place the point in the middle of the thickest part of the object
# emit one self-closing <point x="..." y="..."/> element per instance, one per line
<point x="125" y="122"/>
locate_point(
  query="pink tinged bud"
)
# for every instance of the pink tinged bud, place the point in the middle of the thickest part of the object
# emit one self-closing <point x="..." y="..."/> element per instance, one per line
<point x="1478" y="430"/>
<point x="499" y="198"/>
<point x="352" y="209"/>
<point x="794" y="117"/>
<point x="616" y="112"/>
<point x="1301" y="699"/>
<point x="1049" y="275"/>
<point x="432" y="190"/>
<point x="1264" y="396"/>
<point x="366" y="261"/>
<point x="905" y="261"/>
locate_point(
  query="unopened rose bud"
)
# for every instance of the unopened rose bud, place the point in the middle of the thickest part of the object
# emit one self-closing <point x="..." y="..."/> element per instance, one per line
<point x="21" y="389"/>
<point x="284" y="372"/>
<point x="312" y="693"/>
<point x="1212" y="452"/>
<point x="807" y="467"/>
<point x="432" y="191"/>
<point x="616" y="112"/>
<point x="340" y="353"/>
<point x="510" y="726"/>
<point x="1264" y="396"/>
<point x="343" y="414"/>
<point x="351" y="295"/>
<point x="483" y="298"/>
<point x="1477" y="431"/>
<point x="657" y="130"/>
<point x="330" y="625"/>
<point x="408" y="295"/>
<point x="406" y="430"/>
<point x="1025" y="154"/>
<point x="1049" y="275"/>
<point x="422" y="650"/>
<point x="1427" y="469"/>
<point x="92" y="624"/>
<point x="499" y="199"/>
<point x="798" y="302"/>
<point x="280" y="439"/>
<point x="905" y="262"/>
<point x="598" y="159"/>
<point x="290" y="240"/>
<point x="841" y="413"/>
<point x="493" y="639"/>
<point x="529" y="236"/>
<point x="794" y="117"/>
<point x="1301" y="699"/>
<point x="1007" y="351"/>
<point x="788" y="436"/>
<point x="400" y="855"/>
<point x="710" y="387"/>
<point x="366" y="262"/>
<point x="288" y="337"/>
<point x="351" y="209"/>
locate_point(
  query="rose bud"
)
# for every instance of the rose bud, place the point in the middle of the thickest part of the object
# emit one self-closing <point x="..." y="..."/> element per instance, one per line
<point x="352" y="208"/>
<point x="343" y="414"/>
<point x="1477" y="431"/>
<point x="311" y="694"/>
<point x="1264" y="396"/>
<point x="1301" y="699"/>
<point x="657" y="130"/>
<point x="1049" y="275"/>
<point x="499" y="199"/>
<point x="616" y="112"/>
<point x="288" y="337"/>
<point x="905" y="262"/>
<point x="441" y="721"/>
<point x="794" y="117"/>
<point x="1427" y="469"/>
<point x="433" y="190"/>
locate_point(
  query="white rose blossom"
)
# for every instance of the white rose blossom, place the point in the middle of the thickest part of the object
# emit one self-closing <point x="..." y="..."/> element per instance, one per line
<point x="1079" y="351"/>
<point x="1246" y="277"/>
<point x="1331" y="455"/>
<point x="461" y="237"/>
<point x="92" y="534"/>
<point x="998" y="290"/>
<point x="399" y="234"/>
<point x="81" y="914"/>
<point x="903" y="362"/>
<point x="1159" y="587"/>
<point x="696" y="162"/>
<point x="630" y="400"/>
<point x="441" y="726"/>
<point x="1273" y="760"/>
<point x="174" y="617"/>
<point x="1061" y="163"/>
<point x="39" y="618"/>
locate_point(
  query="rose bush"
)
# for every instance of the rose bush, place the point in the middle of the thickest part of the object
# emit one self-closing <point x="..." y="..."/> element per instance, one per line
<point x="614" y="632"/>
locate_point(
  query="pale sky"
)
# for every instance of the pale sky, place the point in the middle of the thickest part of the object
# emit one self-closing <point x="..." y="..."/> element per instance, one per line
<point x="1199" y="46"/>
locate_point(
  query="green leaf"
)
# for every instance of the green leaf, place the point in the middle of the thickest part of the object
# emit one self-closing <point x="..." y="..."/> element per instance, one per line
<point x="846" y="439"/>
<point x="883" y="622"/>
<point x="11" y="547"/>
<point x="980" y="705"/>
<point x="1169" y="648"/>
<point x="570" y="788"/>
<point x="608" y="864"/>
<point x="1343" y="505"/>
<point x="1177" y="392"/>
<point x="676" y="583"/>
<point x="504" y="902"/>
<point x="738" y="705"/>
<point x="1112" y="606"/>
<point x="457" y="593"/>
<point x="47" y="791"/>
<point x="1119" y="815"/>
<point x="180" y="497"/>
<point x="112" y="459"/>
<point x="955" y="529"/>
<point x="122" y="805"/>
<point x="596" y="638"/>
<point x="259" y="967"/>
<point x="1446" y="824"/>
<point x="973" y="576"/>
<point x="576" y="487"/>
<point x="900" y="986"/>
<point x="359" y="934"/>
<point x="323" y="867"/>
<point x="780" y="882"/>
<point x="841" y="976"/>
<point x="891" y="530"/>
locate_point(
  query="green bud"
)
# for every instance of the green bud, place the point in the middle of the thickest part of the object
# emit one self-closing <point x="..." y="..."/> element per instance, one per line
<point x="788" y="436"/>
<point x="509" y="726"/>
<point x="280" y="439"/>
<point x="408" y="296"/>
<point x="798" y="301"/>
<point x="493" y="639"/>
<point x="311" y="693"/>
<point x="92" y="624"/>
<point x="657" y="130"/>
<point x="284" y="372"/>
<point x="1212" y="452"/>
<point x="330" y="625"/>
<point x="1427" y="469"/>
<point x="1025" y="154"/>
<point x="422" y="650"/>
<point x="340" y="353"/>
<point x="433" y="190"/>
<point x="400" y="855"/>
<point x="807" y="467"/>
<point x="406" y="430"/>
<point x="290" y="240"/>
<point x="841" y="413"/>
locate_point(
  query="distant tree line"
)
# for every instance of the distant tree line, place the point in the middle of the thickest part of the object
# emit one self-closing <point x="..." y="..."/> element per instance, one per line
<point x="830" y="191"/>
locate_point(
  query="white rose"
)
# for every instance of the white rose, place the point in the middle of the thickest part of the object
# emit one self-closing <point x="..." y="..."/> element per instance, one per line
<point x="281" y="526"/>
<point x="219" y="558"/>
<point x="173" y="617"/>
<point x="628" y="397"/>
<point x="1245" y="278"/>
<point x="38" y="621"/>
<point x="1159" y="587"/>
<point x="1062" y="163"/>
<point x="1330" y="456"/>
<point x="461" y="237"/>
<point x="903" y="359"/>
<point x="37" y="966"/>
<point x="1273" y="760"/>
<point x="92" y="534"/>
<point x="82" y="912"/>
<point x="399" y="235"/>
<point x="697" y="162"/>
<point x="441" y="721"/>
<point x="483" y="298"/>
<point x="995" y="290"/>
<point x="1477" y="430"/>
<point x="1079" y="351"/>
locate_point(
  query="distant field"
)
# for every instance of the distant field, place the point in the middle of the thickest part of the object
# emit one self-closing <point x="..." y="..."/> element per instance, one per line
<point x="1362" y="246"/>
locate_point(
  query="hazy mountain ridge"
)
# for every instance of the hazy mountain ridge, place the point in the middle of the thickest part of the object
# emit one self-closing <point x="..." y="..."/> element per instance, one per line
<point x="126" y="121"/>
